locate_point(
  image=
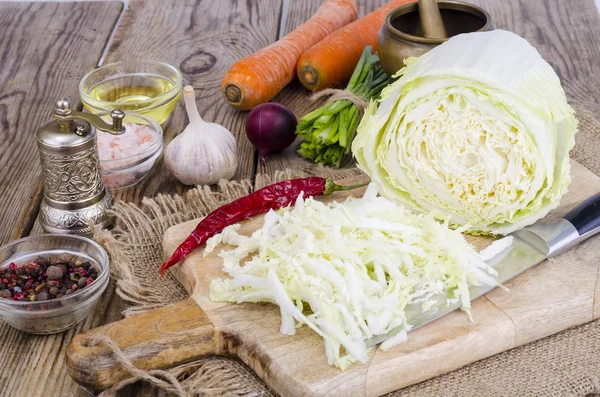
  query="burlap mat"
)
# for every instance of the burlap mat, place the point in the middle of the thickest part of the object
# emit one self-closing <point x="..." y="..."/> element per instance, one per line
<point x="565" y="364"/>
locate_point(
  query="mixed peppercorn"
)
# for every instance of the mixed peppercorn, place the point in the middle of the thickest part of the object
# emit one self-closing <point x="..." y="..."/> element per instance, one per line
<point x="46" y="279"/>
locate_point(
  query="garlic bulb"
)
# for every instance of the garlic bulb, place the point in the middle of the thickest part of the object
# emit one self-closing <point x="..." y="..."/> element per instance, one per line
<point x="204" y="153"/>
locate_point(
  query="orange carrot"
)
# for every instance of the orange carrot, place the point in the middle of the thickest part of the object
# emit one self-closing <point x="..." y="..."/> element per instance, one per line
<point x="257" y="78"/>
<point x="332" y="60"/>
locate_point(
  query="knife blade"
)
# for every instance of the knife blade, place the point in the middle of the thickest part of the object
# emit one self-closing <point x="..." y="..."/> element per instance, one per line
<point x="530" y="246"/>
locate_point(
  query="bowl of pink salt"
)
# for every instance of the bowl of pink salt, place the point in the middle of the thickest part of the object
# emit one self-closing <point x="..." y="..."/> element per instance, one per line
<point x="126" y="159"/>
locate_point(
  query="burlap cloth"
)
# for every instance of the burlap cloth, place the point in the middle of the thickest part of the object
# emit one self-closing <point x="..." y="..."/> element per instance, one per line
<point x="565" y="364"/>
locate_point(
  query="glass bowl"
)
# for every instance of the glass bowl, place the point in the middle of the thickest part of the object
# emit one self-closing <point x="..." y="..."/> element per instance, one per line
<point x="121" y="170"/>
<point x="145" y="87"/>
<point x="56" y="315"/>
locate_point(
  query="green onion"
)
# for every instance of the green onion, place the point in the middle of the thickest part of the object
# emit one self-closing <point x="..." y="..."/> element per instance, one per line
<point x="328" y="131"/>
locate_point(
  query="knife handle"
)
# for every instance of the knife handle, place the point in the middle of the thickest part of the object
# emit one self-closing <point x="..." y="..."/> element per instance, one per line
<point x="586" y="217"/>
<point x="555" y="238"/>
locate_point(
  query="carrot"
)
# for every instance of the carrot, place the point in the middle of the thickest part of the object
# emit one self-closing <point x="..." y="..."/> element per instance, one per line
<point x="332" y="60"/>
<point x="257" y="78"/>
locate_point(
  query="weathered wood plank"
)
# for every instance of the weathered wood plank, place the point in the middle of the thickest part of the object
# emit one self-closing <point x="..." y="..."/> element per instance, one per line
<point x="202" y="38"/>
<point x="298" y="100"/>
<point x="566" y="34"/>
<point x="45" y="50"/>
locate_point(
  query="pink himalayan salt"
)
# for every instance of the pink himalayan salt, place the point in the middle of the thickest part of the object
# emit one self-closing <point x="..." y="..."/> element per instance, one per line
<point x="136" y="139"/>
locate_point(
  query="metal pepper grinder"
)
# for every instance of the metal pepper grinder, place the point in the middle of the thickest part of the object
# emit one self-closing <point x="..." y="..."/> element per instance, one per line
<point x="74" y="195"/>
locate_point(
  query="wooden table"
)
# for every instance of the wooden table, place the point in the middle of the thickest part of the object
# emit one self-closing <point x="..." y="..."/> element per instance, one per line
<point x="47" y="47"/>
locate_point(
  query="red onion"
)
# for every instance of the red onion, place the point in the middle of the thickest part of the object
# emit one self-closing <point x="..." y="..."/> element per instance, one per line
<point x="271" y="127"/>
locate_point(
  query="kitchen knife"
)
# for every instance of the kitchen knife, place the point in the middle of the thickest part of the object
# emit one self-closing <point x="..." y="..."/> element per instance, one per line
<point x="530" y="246"/>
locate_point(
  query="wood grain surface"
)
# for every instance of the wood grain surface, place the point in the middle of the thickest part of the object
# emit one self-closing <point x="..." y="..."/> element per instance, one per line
<point x="202" y="38"/>
<point x="38" y="64"/>
<point x="542" y="301"/>
<point x="45" y="50"/>
<point x="36" y="39"/>
<point x="566" y="33"/>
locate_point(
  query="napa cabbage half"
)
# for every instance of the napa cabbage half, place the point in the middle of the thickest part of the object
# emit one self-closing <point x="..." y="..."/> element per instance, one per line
<point x="477" y="130"/>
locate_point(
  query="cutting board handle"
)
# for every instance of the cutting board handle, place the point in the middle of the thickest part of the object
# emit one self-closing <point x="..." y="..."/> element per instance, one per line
<point x="157" y="339"/>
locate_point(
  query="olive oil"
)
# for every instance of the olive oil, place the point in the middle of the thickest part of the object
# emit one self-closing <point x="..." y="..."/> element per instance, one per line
<point x="141" y="93"/>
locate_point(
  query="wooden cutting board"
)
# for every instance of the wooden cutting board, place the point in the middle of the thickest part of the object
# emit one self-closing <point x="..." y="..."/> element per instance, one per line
<point x="549" y="298"/>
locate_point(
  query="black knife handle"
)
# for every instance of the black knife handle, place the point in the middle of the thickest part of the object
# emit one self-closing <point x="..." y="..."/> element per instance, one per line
<point x="586" y="216"/>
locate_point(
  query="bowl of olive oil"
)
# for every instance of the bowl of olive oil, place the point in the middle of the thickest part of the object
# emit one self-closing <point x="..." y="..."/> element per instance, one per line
<point x="149" y="88"/>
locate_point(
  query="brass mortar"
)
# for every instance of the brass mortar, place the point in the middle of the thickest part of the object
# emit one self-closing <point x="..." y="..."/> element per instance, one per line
<point x="401" y="36"/>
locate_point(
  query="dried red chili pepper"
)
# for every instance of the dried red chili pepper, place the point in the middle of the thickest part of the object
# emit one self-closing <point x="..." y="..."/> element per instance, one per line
<point x="273" y="197"/>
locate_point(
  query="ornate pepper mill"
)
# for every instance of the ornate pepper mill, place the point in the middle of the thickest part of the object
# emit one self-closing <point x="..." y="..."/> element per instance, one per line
<point x="74" y="195"/>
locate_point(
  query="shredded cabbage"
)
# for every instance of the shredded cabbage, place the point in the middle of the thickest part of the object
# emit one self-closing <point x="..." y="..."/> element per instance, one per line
<point x="477" y="129"/>
<point x="356" y="265"/>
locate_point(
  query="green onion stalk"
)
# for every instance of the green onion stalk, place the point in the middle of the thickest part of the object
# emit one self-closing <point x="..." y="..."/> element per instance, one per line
<point x="328" y="131"/>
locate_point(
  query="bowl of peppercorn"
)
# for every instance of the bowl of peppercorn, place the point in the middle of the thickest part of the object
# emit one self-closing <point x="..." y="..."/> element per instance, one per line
<point x="50" y="282"/>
